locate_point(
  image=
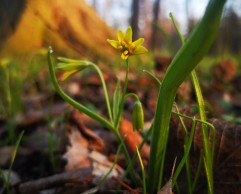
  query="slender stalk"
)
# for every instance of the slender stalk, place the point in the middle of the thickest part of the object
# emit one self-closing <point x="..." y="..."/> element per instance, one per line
<point x="187" y="165"/>
<point x="74" y="103"/>
<point x="197" y="172"/>
<point x="7" y="180"/>
<point x="186" y="152"/>
<point x="8" y="94"/>
<point x="112" y="166"/>
<point x="142" y="170"/>
<point x="105" y="90"/>
<point x="153" y="76"/>
<point x="117" y="122"/>
<point x="207" y="150"/>
<point x="129" y="95"/>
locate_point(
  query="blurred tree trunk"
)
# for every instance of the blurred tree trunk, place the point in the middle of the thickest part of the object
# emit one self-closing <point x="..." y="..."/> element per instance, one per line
<point x="156" y="9"/>
<point x="146" y="10"/>
<point x="187" y="16"/>
<point x="10" y="14"/>
<point x="134" y="18"/>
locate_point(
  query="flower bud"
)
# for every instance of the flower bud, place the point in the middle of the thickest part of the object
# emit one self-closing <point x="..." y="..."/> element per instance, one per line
<point x="137" y="116"/>
<point x="70" y="66"/>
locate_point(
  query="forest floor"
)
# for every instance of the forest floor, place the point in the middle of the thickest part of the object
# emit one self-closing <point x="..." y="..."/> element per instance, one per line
<point x="64" y="151"/>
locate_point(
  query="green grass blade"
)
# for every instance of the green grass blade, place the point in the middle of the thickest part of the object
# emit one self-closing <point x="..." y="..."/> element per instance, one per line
<point x="186" y="153"/>
<point x="142" y="170"/>
<point x="7" y="179"/>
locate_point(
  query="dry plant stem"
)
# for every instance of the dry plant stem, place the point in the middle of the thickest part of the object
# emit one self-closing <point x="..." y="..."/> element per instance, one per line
<point x="182" y="65"/>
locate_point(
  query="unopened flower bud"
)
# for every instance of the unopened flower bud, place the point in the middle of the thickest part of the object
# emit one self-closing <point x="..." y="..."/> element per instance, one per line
<point x="137" y="116"/>
<point x="71" y="66"/>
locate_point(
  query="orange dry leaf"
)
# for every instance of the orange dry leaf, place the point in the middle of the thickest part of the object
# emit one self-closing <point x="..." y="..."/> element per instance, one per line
<point x="95" y="142"/>
<point x="133" y="139"/>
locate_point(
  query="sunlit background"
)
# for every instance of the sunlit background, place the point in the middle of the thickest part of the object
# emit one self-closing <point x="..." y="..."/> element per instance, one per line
<point x="80" y="25"/>
<point x="117" y="13"/>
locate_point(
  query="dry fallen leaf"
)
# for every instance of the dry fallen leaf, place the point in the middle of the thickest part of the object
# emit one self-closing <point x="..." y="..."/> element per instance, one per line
<point x="95" y="142"/>
<point x="133" y="139"/>
<point x="77" y="151"/>
<point x="167" y="188"/>
<point x="79" y="155"/>
<point x="101" y="165"/>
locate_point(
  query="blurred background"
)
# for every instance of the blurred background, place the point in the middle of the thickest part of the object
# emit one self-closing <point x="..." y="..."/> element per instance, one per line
<point x="79" y="29"/>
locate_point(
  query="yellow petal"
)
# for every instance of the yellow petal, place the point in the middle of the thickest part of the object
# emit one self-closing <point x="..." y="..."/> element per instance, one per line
<point x="138" y="42"/>
<point x="68" y="74"/>
<point x="120" y="35"/>
<point x="128" y="35"/>
<point x="113" y="43"/>
<point x="124" y="56"/>
<point x="140" y="50"/>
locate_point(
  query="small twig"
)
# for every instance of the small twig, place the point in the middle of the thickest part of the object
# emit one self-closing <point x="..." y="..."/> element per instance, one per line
<point x="53" y="181"/>
<point x="125" y="185"/>
<point x="174" y="165"/>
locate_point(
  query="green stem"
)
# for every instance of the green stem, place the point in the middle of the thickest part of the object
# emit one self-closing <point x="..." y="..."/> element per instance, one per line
<point x="142" y="170"/>
<point x="118" y="118"/>
<point x="207" y="150"/>
<point x="197" y="172"/>
<point x="105" y="90"/>
<point x="112" y="167"/>
<point x="74" y="103"/>
<point x="187" y="164"/>
<point x="153" y="76"/>
<point x="131" y="94"/>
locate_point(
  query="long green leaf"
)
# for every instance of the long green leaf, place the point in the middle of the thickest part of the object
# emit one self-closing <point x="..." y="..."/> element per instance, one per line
<point x="184" y="62"/>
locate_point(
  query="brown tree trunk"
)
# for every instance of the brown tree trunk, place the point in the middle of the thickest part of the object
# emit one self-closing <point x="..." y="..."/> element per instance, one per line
<point x="156" y="9"/>
<point x="134" y="18"/>
<point x="10" y="14"/>
<point x="146" y="10"/>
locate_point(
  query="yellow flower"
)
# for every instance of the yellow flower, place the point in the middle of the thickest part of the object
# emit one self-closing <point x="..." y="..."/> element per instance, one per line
<point x="125" y="44"/>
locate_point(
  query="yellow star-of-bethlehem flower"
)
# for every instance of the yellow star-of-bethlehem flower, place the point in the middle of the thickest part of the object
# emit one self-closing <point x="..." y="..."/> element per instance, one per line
<point x="125" y="45"/>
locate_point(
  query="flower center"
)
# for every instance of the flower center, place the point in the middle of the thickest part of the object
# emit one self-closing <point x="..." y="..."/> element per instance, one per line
<point x="127" y="48"/>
